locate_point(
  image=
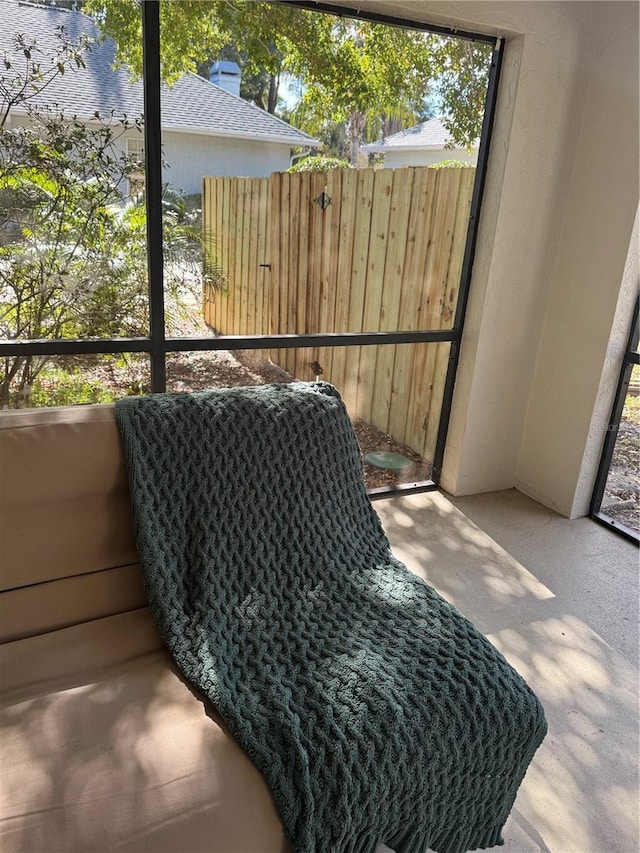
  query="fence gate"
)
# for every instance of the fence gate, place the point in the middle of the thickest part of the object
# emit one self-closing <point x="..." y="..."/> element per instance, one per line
<point x="347" y="251"/>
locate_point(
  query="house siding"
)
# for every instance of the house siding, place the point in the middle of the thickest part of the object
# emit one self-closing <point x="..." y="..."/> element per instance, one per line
<point x="398" y="159"/>
<point x="189" y="157"/>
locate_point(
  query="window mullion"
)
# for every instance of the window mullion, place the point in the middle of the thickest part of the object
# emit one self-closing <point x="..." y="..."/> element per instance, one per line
<point x="153" y="188"/>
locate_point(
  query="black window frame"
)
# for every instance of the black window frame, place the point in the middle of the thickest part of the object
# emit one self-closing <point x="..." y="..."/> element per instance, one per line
<point x="157" y="345"/>
<point x="631" y="357"/>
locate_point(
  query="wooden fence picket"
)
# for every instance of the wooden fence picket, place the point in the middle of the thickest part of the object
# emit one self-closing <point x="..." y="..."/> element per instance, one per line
<point x="384" y="255"/>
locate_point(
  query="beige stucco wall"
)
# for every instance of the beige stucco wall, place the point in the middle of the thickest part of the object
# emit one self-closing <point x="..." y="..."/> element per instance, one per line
<point x="609" y="375"/>
<point x="560" y="200"/>
<point x="556" y="456"/>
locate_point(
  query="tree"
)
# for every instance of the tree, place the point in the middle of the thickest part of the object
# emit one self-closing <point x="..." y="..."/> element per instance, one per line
<point x="257" y="85"/>
<point x="58" y="230"/>
<point x="358" y="73"/>
<point x="27" y="71"/>
<point x="73" y="260"/>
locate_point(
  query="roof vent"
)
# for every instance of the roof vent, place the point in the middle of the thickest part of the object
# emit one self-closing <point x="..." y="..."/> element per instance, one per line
<point x="226" y="75"/>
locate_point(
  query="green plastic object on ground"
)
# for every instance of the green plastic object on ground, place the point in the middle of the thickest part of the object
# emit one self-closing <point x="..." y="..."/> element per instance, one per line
<point x="387" y="459"/>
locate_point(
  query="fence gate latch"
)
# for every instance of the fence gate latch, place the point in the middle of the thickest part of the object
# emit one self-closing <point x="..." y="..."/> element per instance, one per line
<point x="323" y="200"/>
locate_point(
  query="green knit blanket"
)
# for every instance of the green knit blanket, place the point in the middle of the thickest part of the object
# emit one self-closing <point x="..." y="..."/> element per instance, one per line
<point x="374" y="710"/>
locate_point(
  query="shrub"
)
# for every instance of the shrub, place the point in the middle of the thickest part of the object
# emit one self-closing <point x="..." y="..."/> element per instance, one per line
<point x="73" y="256"/>
<point x="452" y="164"/>
<point x="318" y="163"/>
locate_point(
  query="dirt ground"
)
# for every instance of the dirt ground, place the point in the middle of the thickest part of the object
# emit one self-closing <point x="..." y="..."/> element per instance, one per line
<point x="195" y="371"/>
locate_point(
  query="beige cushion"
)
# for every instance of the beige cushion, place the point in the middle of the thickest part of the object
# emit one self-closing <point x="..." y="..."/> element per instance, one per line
<point x="64" y="497"/>
<point x="32" y="610"/>
<point x="104" y="747"/>
<point x="67" y="551"/>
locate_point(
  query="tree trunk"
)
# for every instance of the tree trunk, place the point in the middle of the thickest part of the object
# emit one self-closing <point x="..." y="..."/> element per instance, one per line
<point x="274" y="85"/>
<point x="391" y="125"/>
<point x="11" y="368"/>
<point x="355" y="130"/>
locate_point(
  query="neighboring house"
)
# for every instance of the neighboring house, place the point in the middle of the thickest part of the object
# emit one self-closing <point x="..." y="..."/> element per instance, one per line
<point x="207" y="130"/>
<point x="421" y="145"/>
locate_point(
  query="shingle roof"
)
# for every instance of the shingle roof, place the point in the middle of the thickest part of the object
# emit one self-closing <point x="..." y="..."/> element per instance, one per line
<point x="430" y="134"/>
<point x="191" y="105"/>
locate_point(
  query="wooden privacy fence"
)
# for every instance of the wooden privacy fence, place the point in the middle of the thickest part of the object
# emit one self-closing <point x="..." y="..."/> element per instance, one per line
<point x="385" y="254"/>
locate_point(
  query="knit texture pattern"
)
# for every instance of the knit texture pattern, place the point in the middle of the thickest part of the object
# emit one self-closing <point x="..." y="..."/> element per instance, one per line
<point x="374" y="710"/>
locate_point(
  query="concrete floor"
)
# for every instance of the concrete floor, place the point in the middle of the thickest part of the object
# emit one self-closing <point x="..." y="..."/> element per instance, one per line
<point x="560" y="599"/>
